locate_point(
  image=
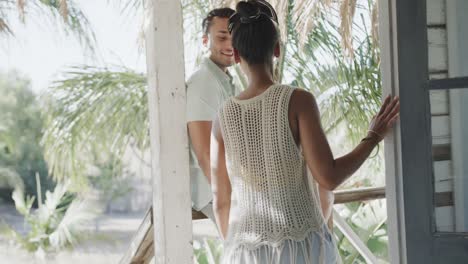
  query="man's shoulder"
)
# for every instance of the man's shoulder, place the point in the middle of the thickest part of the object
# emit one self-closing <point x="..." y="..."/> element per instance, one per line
<point x="201" y="76"/>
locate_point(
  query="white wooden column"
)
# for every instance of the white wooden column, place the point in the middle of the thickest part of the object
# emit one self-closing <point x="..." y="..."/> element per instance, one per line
<point x="169" y="146"/>
<point x="393" y="172"/>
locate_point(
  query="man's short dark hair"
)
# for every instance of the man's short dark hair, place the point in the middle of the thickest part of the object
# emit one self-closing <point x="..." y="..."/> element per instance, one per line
<point x="225" y="12"/>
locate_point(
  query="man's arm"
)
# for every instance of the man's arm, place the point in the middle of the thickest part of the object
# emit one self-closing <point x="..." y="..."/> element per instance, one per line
<point x="199" y="133"/>
<point x="201" y="108"/>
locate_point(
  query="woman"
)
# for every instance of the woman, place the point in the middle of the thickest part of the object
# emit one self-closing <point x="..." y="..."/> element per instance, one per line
<point x="262" y="144"/>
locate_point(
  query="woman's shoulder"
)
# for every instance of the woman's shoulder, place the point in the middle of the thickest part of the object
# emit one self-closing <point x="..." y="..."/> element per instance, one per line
<point x="300" y="94"/>
<point x="302" y="99"/>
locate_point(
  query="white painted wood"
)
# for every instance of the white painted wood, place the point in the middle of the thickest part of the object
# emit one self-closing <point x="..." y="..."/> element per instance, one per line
<point x="443" y="176"/>
<point x="437" y="41"/>
<point x="457" y="33"/>
<point x="443" y="170"/>
<point x="392" y="142"/>
<point x="439" y="102"/>
<point x="444" y="218"/>
<point x="169" y="143"/>
<point x="436" y="12"/>
<point x="353" y="238"/>
<point x="444" y="186"/>
<point x="435" y="76"/>
<point x="440" y="130"/>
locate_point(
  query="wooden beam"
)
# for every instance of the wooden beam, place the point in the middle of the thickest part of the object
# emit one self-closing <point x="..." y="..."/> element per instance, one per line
<point x="361" y="194"/>
<point x="141" y="249"/>
<point x="450" y="83"/>
<point x="341" y="196"/>
<point x="168" y="133"/>
<point x="354" y="239"/>
<point x="441" y="152"/>
<point x="197" y="215"/>
<point x="443" y="199"/>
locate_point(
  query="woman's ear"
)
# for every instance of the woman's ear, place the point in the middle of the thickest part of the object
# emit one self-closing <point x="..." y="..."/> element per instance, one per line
<point x="236" y="56"/>
<point x="277" y="51"/>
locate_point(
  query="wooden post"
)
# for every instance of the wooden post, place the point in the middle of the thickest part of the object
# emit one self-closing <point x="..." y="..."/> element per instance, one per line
<point x="169" y="145"/>
<point x="393" y="172"/>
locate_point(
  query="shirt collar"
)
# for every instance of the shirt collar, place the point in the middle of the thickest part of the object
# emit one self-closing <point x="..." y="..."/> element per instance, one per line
<point x="220" y="74"/>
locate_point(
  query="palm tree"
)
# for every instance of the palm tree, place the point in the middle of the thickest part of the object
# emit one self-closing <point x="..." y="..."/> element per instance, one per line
<point x="65" y="11"/>
<point x="93" y="110"/>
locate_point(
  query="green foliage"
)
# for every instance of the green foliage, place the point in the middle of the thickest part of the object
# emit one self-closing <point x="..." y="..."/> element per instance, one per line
<point x="111" y="181"/>
<point x="93" y="110"/>
<point x="21" y="130"/>
<point x="368" y="220"/>
<point x="56" y="224"/>
<point x="208" y="251"/>
<point x="348" y="89"/>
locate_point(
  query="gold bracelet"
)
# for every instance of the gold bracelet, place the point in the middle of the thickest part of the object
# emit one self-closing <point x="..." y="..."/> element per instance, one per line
<point x="372" y="131"/>
<point x="376" y="153"/>
<point x="377" y="145"/>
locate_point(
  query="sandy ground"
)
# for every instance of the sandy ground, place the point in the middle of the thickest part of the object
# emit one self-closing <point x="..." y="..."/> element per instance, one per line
<point x="115" y="232"/>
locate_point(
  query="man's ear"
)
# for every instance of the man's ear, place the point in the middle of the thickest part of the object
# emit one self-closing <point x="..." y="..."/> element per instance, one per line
<point x="205" y="40"/>
<point x="236" y="56"/>
<point x="277" y="51"/>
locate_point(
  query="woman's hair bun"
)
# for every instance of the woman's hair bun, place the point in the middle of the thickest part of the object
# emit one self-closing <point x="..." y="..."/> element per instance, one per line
<point x="247" y="8"/>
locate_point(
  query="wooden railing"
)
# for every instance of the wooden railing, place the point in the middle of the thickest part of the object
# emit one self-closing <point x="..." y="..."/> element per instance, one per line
<point x="141" y="249"/>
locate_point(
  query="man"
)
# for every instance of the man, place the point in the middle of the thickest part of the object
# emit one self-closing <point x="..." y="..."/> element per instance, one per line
<point x="207" y="89"/>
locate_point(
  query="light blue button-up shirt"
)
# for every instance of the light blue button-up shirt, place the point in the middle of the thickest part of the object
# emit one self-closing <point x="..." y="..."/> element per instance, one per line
<point x="207" y="89"/>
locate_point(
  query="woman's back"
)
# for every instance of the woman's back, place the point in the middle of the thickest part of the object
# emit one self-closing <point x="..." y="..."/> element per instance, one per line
<point x="268" y="175"/>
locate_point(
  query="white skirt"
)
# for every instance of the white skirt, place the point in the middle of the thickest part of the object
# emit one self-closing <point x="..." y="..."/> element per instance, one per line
<point x="318" y="247"/>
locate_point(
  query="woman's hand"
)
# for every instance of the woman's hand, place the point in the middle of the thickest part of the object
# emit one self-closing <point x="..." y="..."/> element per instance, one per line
<point x="385" y="119"/>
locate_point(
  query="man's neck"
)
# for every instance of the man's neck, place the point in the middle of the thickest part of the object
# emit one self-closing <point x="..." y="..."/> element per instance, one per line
<point x="224" y="69"/>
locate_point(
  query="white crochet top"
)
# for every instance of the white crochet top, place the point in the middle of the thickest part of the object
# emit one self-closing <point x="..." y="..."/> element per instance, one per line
<point x="274" y="198"/>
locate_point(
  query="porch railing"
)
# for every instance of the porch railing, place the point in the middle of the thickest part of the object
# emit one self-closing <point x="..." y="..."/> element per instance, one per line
<point x="141" y="249"/>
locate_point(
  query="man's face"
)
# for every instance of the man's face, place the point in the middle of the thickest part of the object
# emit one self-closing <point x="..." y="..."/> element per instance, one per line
<point x="219" y="42"/>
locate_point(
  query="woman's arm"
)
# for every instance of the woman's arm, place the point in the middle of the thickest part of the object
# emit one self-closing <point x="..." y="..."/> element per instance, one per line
<point x="220" y="184"/>
<point x="328" y="171"/>
<point x="327" y="199"/>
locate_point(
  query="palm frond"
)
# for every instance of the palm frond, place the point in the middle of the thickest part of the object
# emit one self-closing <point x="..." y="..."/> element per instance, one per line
<point x="63" y="10"/>
<point x="375" y="24"/>
<point x="93" y="109"/>
<point x="4" y="28"/>
<point x="347" y="10"/>
<point x="56" y="224"/>
<point x="348" y="88"/>
<point x="304" y="17"/>
<point x="131" y="7"/>
<point x="23" y="206"/>
<point x="21" y="4"/>
<point x="80" y="213"/>
<point x="10" y="178"/>
<point x="74" y="20"/>
<point x="368" y="220"/>
<point x="306" y="14"/>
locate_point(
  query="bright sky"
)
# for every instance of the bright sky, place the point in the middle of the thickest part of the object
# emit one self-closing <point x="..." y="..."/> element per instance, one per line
<point x="40" y="51"/>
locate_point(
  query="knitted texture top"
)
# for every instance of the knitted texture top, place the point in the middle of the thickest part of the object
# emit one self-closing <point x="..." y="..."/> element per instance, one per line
<point x="275" y="199"/>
